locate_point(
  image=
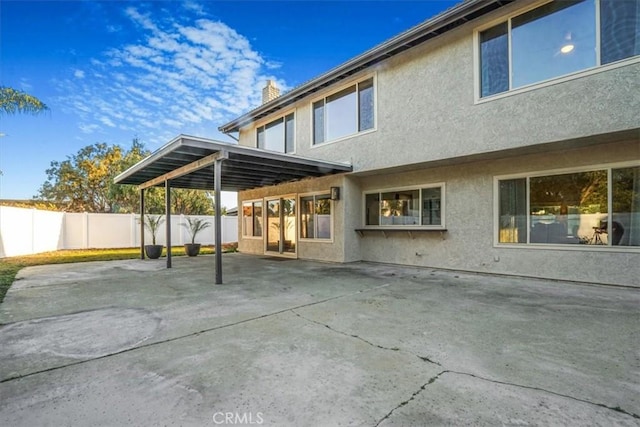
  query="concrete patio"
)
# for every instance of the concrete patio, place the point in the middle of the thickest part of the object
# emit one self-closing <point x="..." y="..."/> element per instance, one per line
<point x="297" y="343"/>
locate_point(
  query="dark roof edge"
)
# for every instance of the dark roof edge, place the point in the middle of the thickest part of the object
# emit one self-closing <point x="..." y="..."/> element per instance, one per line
<point x="198" y="142"/>
<point x="159" y="153"/>
<point x="440" y="24"/>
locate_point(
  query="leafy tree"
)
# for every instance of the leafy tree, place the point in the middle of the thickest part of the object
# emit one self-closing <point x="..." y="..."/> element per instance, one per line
<point x="84" y="183"/>
<point x="14" y="101"/>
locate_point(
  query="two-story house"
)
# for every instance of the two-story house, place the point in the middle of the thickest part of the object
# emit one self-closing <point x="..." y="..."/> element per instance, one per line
<point x="499" y="137"/>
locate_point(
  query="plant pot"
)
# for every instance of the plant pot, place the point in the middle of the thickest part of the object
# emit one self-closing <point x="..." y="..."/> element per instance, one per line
<point x="192" y="249"/>
<point x="153" y="251"/>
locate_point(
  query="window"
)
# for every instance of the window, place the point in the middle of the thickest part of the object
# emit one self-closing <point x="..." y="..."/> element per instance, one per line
<point x="277" y="135"/>
<point x="408" y="207"/>
<point x="344" y="113"/>
<point x="596" y="207"/>
<point x="252" y="219"/>
<point x="315" y="217"/>
<point x="557" y="39"/>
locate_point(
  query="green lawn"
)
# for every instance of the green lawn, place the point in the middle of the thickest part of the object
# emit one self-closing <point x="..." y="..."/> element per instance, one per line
<point x="9" y="267"/>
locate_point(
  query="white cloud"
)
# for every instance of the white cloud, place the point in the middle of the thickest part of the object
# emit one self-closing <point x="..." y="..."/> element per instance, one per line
<point x="181" y="76"/>
<point x="88" y="128"/>
<point x="107" y="121"/>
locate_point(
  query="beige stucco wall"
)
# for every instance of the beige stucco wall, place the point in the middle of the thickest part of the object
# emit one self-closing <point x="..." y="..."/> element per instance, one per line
<point x="426" y="109"/>
<point x="427" y="115"/>
<point x="468" y="243"/>
<point x="318" y="249"/>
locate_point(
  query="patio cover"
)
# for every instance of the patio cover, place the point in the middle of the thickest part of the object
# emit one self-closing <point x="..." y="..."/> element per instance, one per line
<point x="203" y="164"/>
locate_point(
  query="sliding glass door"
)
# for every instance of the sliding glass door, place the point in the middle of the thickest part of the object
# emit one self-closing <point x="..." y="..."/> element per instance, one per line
<point x="281" y="226"/>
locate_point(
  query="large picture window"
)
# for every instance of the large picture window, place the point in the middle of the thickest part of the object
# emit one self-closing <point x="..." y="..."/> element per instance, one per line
<point x="344" y="113"/>
<point x="252" y="219"/>
<point x="596" y="207"/>
<point x="277" y="135"/>
<point x="557" y="39"/>
<point x="315" y="217"/>
<point x="407" y="207"/>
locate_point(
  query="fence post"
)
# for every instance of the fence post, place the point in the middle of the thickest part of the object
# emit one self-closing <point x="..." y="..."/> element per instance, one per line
<point x="181" y="221"/>
<point x="85" y="230"/>
<point x="132" y="240"/>
<point x="33" y="230"/>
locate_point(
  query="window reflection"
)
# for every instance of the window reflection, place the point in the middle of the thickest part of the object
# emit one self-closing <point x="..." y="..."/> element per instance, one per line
<point x="540" y="37"/>
<point x="568" y="208"/>
<point x="572" y="208"/>
<point x="625" y="224"/>
<point x="341" y="114"/>
<point x="557" y="39"/>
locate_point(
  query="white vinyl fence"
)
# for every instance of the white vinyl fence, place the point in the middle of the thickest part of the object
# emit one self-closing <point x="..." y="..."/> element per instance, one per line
<point x="30" y="231"/>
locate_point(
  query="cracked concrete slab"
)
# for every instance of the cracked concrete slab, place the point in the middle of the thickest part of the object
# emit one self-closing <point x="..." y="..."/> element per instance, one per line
<point x="454" y="400"/>
<point x="306" y="343"/>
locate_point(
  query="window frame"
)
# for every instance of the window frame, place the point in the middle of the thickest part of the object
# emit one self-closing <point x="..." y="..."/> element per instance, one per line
<point x="332" y="206"/>
<point x="355" y="82"/>
<point x="419" y="188"/>
<point x="598" y="68"/>
<point x="264" y="123"/>
<point x="244" y="230"/>
<point x="608" y="167"/>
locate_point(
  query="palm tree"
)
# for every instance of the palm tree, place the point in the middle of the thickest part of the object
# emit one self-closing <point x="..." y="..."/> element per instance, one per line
<point x="153" y="224"/>
<point x="195" y="225"/>
<point x="14" y="101"/>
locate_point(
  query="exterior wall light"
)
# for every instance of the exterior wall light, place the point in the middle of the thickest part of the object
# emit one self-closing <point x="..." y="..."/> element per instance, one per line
<point x="335" y="193"/>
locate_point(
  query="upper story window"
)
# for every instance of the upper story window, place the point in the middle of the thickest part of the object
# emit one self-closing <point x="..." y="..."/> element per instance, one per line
<point x="277" y="135"/>
<point x="587" y="207"/>
<point x="556" y="39"/>
<point x="344" y="113"/>
<point x="414" y="206"/>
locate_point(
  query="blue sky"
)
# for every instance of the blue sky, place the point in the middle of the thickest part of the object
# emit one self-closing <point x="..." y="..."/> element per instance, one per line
<point x="111" y="71"/>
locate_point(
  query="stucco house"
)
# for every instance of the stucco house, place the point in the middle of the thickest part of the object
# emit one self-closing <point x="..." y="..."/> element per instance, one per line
<point x="499" y="137"/>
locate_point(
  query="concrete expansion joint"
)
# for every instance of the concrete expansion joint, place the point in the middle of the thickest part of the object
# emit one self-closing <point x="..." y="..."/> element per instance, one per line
<point x="447" y="371"/>
<point x="189" y="335"/>
<point x="602" y="405"/>
<point x="412" y="397"/>
<point x="358" y="337"/>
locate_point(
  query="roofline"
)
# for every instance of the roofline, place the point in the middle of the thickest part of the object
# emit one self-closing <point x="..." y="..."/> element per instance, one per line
<point x="198" y="142"/>
<point x="440" y="24"/>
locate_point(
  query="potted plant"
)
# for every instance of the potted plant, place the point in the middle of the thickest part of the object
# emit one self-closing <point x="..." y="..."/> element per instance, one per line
<point x="153" y="224"/>
<point x="194" y="225"/>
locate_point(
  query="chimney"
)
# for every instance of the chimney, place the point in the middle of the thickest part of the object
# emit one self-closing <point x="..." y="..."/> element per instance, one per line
<point x="270" y="92"/>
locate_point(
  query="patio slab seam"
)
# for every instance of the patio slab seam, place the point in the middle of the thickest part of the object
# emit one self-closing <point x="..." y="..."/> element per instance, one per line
<point x="448" y="371"/>
<point x="192" y="334"/>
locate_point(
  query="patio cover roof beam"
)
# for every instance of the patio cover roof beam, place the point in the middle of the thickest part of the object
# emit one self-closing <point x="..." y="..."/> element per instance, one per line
<point x="186" y="169"/>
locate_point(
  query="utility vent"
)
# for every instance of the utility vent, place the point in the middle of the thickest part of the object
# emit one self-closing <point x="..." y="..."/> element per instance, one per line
<point x="270" y="92"/>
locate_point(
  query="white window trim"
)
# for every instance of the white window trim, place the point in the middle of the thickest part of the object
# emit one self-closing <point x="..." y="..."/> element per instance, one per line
<point x="551" y="172"/>
<point x="337" y="89"/>
<point x="420" y="187"/>
<point x="543" y="83"/>
<point x="265" y="122"/>
<point x="244" y="235"/>
<point x="315" y="239"/>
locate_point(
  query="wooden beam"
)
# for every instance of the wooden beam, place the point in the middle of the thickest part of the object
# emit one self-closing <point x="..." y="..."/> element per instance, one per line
<point x="186" y="169"/>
